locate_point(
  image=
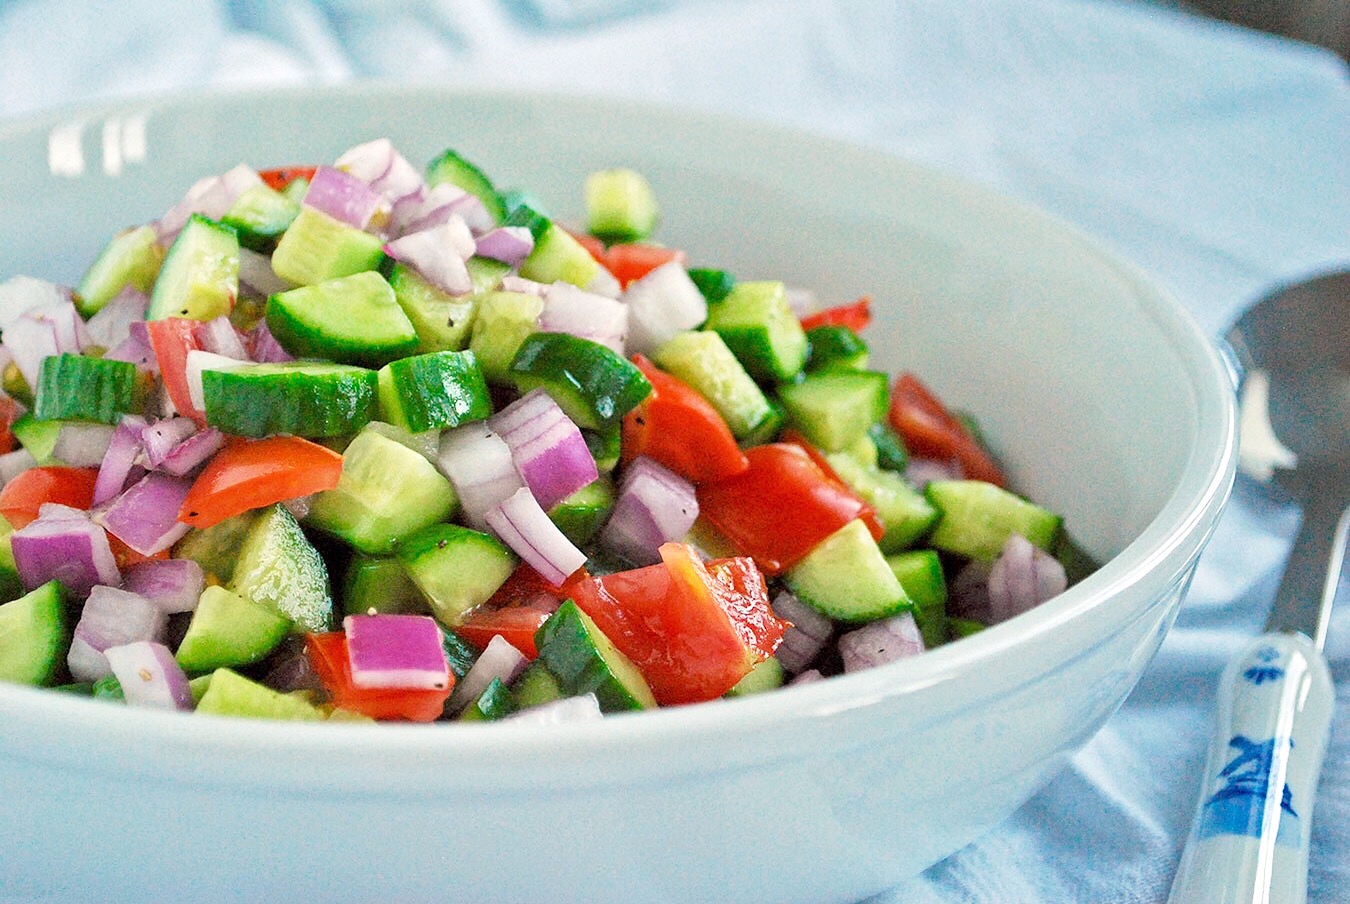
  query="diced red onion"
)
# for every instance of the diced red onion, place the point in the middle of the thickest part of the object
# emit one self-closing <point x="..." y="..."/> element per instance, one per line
<point x="219" y="337"/>
<point x="585" y="708"/>
<point x="346" y="198"/>
<point x="661" y="304"/>
<point x="568" y="309"/>
<point x="653" y="505"/>
<point x="514" y="283"/>
<point x="173" y="585"/>
<point x="437" y="254"/>
<point x="82" y="444"/>
<point x="211" y="196"/>
<point x="55" y="511"/>
<point x="396" y="651"/>
<point x="239" y="180"/>
<point x="498" y="660"/>
<point x="968" y="595"/>
<point x="74" y="552"/>
<point x="149" y="675"/>
<point x="255" y="271"/>
<point x="922" y="471"/>
<point x="807" y="677"/>
<point x="120" y="458"/>
<point x="509" y="244"/>
<point x="12" y="464"/>
<point x="112" y="324"/>
<point x="111" y="618"/>
<point x="604" y="283"/>
<point x="264" y="347"/>
<point x="193" y="452"/>
<point x="526" y="528"/>
<point x="880" y="642"/>
<point x="21" y="294"/>
<point x="807" y="636"/>
<point x="299" y="506"/>
<point x="380" y="165"/>
<point x="136" y="348"/>
<point x="145" y="517"/>
<point x="49" y="329"/>
<point x="802" y="301"/>
<point x="548" y="449"/>
<point x="442" y="202"/>
<point x="479" y="464"/>
<point x="290" y="668"/>
<point x="163" y="436"/>
<point x="1021" y="578"/>
<point x="198" y="361"/>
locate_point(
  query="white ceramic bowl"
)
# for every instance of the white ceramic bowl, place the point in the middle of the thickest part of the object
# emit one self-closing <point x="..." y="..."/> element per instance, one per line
<point x="1103" y="397"/>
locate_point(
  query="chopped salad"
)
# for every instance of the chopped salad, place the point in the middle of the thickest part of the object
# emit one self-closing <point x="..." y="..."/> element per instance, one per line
<point x="366" y="442"/>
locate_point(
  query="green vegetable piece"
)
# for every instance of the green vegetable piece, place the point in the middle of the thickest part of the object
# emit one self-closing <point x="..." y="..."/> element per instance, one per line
<point x="216" y="548"/>
<point x="1078" y="562"/>
<point x="765" y="676"/>
<point x="317" y="247"/>
<point x="701" y="359"/>
<point x="433" y="391"/>
<point x="620" y="205"/>
<point x="260" y="215"/>
<point x="903" y="511"/>
<point x="592" y="383"/>
<point x="77" y="387"/>
<point x="504" y="320"/>
<point x="890" y="448"/>
<point x="919" y="571"/>
<point x="278" y="568"/>
<point x="835" y="346"/>
<point x="527" y="214"/>
<point x="976" y="519"/>
<point x="455" y="169"/>
<point x="536" y="686"/>
<point x="34" y="635"/>
<point x="352" y="320"/>
<point x="581" y="515"/>
<point x="442" y="321"/>
<point x="200" y="275"/>
<point x="585" y="661"/>
<point x="229" y="630"/>
<point x="303" y="398"/>
<point x="714" y="284"/>
<point x="459" y="653"/>
<point x="379" y="584"/>
<point x="760" y="329"/>
<point x="455" y="567"/>
<point x="132" y="258"/>
<point x="558" y="256"/>
<point x="38" y="437"/>
<point x="833" y="408"/>
<point x="495" y="702"/>
<point x="605" y="446"/>
<point x="964" y="627"/>
<point x="847" y="578"/>
<point x="231" y="694"/>
<point x="485" y="273"/>
<point x="11" y="588"/>
<point x="108" y="688"/>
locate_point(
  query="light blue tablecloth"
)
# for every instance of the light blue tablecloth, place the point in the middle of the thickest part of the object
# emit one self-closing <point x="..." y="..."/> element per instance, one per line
<point x="1217" y="158"/>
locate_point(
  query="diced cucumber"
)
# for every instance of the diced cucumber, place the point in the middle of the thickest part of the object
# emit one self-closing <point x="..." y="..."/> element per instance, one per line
<point x="200" y="275"/>
<point x="891" y="453"/>
<point x="231" y="694"/>
<point x="581" y="515"/>
<point x="847" y="578"/>
<point x="585" y="661"/>
<point x="80" y="388"/>
<point x="701" y="359"/>
<point x="379" y="584"/>
<point x="425" y="444"/>
<point x="459" y="653"/>
<point x="835" y="346"/>
<point x="919" y="571"/>
<point x="260" y="215"/>
<point x="903" y="511"/>
<point x="485" y="273"/>
<point x="504" y="320"/>
<point x="714" y="284"/>
<point x="976" y="519"/>
<point x="832" y="408"/>
<point x="620" y="205"/>
<point x="592" y="383"/>
<point x="605" y="446"/>
<point x="229" y="630"/>
<point x="442" y="321"/>
<point x="433" y="391"/>
<point x="964" y="627"/>
<point x="760" y="329"/>
<point x="386" y="492"/>
<point x="536" y="686"/>
<point x="558" y="256"/>
<point x="495" y="702"/>
<point x="527" y="213"/>
<point x="767" y="430"/>
<point x="765" y="676"/>
<point x="455" y="567"/>
<point x="34" y="635"/>
<point x="11" y="588"/>
<point x="216" y="548"/>
<point x="1078" y="562"/>
<point x="352" y="320"/>
<point x="317" y="247"/>
<point x="108" y="688"/>
<point x="451" y="167"/>
<point x="299" y="397"/>
<point x="38" y="437"/>
<point x="14" y="384"/>
<point x="132" y="258"/>
<point x="280" y="569"/>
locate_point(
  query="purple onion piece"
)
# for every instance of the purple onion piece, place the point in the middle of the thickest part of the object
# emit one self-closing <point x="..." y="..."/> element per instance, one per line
<point x="807" y="677"/>
<point x="521" y="524"/>
<point x="438" y="255"/>
<point x="653" y="505"/>
<point x="509" y="244"/>
<point x="479" y="465"/>
<point x="173" y="585"/>
<point x="21" y="294"/>
<point x="136" y="348"/>
<point x="193" y="452"/>
<point x="12" y="464"/>
<point x="880" y="642"/>
<point x="548" y="449"/>
<point x="264" y="347"/>
<point x="149" y="675"/>
<point x="660" y="304"/>
<point x="922" y="471"/>
<point x="82" y="444"/>
<point x="219" y="337"/>
<point x="344" y="197"/>
<point x="806" y="638"/>
<point x="255" y="271"/>
<point x="30" y="340"/>
<point x="568" y="309"/>
<point x="120" y="458"/>
<point x="74" y="552"/>
<point x="145" y="517"/>
<point x="498" y="660"/>
<point x="111" y="618"/>
<point x="968" y="595"/>
<point x="585" y="708"/>
<point x="162" y="437"/>
<point x="396" y="651"/>
<point x="379" y="164"/>
<point x="1021" y="578"/>
<point x="112" y="324"/>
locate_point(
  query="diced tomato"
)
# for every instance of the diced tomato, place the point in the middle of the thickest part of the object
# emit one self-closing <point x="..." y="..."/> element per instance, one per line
<point x="172" y="338"/>
<point x="691" y="631"/>
<point x="331" y="662"/>
<point x="252" y="473"/>
<point x="23" y="496"/>
<point x="515" y="611"/>
<point x="126" y="557"/>
<point x="679" y="428"/>
<point x="780" y="508"/>
<point x="281" y="177"/>
<point x="855" y="315"/>
<point x="9" y="412"/>
<point x="868" y="513"/>
<point x="931" y="431"/>
<point x="592" y="245"/>
<point x="635" y="260"/>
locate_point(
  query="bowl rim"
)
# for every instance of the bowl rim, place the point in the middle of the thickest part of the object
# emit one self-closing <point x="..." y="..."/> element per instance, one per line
<point x="1172" y="537"/>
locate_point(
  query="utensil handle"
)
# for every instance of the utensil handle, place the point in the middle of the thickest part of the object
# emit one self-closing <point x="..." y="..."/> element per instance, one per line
<point x="1249" y="840"/>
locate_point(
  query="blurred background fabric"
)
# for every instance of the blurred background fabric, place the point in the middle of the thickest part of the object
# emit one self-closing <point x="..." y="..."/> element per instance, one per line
<point x="1212" y="155"/>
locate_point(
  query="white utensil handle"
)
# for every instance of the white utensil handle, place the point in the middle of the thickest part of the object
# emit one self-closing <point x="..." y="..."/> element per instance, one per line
<point x="1249" y="841"/>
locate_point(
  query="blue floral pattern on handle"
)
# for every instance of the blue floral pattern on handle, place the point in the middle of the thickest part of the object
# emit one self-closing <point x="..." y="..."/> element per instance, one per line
<point x="1267" y="670"/>
<point x="1238" y="806"/>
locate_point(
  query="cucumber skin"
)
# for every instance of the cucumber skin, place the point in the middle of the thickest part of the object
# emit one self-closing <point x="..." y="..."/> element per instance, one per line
<point x="42" y="611"/>
<point x="433" y="553"/>
<point x="570" y="646"/>
<point x="849" y="551"/>
<point x="77" y="387"/>
<point x="590" y="382"/>
<point x="451" y="167"/>
<point x="434" y="391"/>
<point x="249" y="403"/>
<point x="204" y="300"/>
<point x="976" y="518"/>
<point x="351" y="320"/>
<point x="280" y="569"/>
